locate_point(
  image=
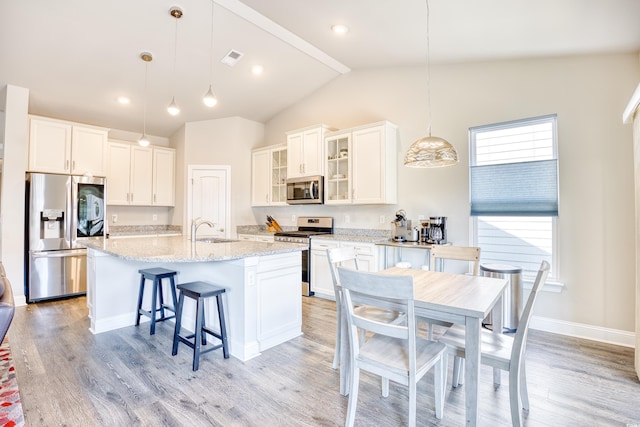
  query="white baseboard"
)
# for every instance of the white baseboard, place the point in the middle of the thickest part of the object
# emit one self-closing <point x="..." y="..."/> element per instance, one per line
<point x="580" y="330"/>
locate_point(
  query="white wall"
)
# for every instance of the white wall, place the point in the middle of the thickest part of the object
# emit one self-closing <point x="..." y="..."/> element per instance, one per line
<point x="221" y="142"/>
<point x="13" y="184"/>
<point x="588" y="93"/>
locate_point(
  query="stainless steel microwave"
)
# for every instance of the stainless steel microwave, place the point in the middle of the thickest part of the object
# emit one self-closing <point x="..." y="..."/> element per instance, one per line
<point x="306" y="190"/>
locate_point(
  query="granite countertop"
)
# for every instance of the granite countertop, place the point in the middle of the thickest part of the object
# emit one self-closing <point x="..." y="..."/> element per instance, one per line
<point x="352" y="238"/>
<point x="143" y="230"/>
<point x="179" y="249"/>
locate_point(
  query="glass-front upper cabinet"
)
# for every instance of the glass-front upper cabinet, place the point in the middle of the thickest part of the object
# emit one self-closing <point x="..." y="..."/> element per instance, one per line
<point x="337" y="185"/>
<point x="279" y="176"/>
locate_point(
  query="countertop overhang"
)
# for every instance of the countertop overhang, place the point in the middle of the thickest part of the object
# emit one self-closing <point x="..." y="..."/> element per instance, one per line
<point x="180" y="249"/>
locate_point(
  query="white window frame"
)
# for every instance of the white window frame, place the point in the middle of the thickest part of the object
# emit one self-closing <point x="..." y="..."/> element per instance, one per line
<point x="553" y="283"/>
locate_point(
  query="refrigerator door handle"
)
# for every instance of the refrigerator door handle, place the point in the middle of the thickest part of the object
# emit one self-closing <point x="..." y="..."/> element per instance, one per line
<point x="59" y="254"/>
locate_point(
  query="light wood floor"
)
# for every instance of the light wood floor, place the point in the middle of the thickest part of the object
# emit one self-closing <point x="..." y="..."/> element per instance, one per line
<point x="69" y="377"/>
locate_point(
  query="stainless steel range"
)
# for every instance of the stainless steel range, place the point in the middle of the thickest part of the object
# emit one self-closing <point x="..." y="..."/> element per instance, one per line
<point x="307" y="227"/>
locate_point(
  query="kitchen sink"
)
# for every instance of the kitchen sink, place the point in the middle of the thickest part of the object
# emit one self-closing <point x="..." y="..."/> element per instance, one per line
<point x="216" y="240"/>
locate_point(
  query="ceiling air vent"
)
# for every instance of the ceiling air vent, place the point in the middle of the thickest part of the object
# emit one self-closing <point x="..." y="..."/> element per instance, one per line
<point x="232" y="57"/>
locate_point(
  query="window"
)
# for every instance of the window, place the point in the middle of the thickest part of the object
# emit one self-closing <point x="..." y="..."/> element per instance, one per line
<point x="514" y="192"/>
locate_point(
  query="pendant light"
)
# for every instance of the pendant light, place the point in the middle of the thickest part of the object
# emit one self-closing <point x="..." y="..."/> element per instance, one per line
<point x="176" y="12"/>
<point x="430" y="151"/>
<point x="209" y="98"/>
<point x="144" y="141"/>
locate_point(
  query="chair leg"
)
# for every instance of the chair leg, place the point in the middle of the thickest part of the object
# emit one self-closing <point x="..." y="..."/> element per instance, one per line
<point x="161" y="296"/>
<point x="154" y="296"/>
<point x="176" y="332"/>
<point x="336" y="353"/>
<point x="140" y="295"/>
<point x="514" y="397"/>
<point x="385" y="387"/>
<point x="430" y="336"/>
<point x="197" y="336"/>
<point x="439" y="380"/>
<point x="223" y="327"/>
<point x="455" y="380"/>
<point x="353" y="396"/>
<point x="524" y="395"/>
<point x="412" y="402"/>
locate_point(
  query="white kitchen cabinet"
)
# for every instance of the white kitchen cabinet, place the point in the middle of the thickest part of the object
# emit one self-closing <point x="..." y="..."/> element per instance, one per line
<point x="305" y="151"/>
<point x="269" y="176"/>
<point x="164" y="176"/>
<point x="57" y="146"/>
<point x="140" y="176"/>
<point x="321" y="280"/>
<point x="365" y="172"/>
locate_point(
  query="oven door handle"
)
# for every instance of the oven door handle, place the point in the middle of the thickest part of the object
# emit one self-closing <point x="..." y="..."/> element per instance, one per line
<point x="313" y="189"/>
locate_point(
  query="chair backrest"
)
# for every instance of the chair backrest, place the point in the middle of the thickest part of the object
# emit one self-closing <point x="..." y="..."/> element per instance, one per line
<point x="345" y="257"/>
<point x="520" y="339"/>
<point x="378" y="290"/>
<point x="460" y="253"/>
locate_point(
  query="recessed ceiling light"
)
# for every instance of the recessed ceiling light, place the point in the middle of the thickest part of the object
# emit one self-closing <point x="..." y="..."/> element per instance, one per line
<point x="257" y="70"/>
<point x="124" y="100"/>
<point x="340" y="29"/>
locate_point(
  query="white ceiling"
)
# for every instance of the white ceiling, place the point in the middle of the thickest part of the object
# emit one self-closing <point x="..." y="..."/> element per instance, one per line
<point x="77" y="56"/>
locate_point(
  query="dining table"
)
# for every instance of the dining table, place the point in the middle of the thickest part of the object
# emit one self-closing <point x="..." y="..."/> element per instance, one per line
<point x="453" y="298"/>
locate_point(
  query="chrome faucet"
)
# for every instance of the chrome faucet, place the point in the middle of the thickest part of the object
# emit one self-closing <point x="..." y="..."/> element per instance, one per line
<point x="196" y="223"/>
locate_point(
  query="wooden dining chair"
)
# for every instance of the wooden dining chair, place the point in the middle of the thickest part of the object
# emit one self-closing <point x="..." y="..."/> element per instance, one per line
<point x="503" y="351"/>
<point x="458" y="253"/>
<point x="391" y="350"/>
<point x="346" y="257"/>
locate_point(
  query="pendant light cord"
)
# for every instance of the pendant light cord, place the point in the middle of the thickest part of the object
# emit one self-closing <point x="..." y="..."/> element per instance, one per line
<point x="211" y="48"/>
<point x="144" y="103"/>
<point x="428" y="75"/>
<point x="175" y="53"/>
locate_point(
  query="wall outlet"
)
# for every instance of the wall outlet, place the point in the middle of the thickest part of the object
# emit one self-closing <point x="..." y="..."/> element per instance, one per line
<point x="293" y="218"/>
<point x="381" y="219"/>
<point x="420" y="217"/>
<point x="347" y="219"/>
<point x="155" y="217"/>
<point x="114" y="218"/>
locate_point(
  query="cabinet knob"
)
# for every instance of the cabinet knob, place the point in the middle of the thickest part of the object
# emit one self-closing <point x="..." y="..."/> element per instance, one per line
<point x="66" y="164"/>
<point x="73" y="165"/>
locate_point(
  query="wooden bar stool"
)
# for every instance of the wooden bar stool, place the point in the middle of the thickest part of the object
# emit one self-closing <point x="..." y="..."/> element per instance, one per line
<point x="157" y="297"/>
<point x="199" y="291"/>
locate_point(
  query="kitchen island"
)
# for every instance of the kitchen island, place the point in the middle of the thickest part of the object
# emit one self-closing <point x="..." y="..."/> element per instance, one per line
<point x="263" y="306"/>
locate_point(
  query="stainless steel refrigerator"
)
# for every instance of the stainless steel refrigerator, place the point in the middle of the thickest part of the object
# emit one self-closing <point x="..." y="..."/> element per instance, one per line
<point x="59" y="210"/>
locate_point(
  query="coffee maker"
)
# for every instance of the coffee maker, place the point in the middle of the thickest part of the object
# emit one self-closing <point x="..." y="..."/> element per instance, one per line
<point x="402" y="227"/>
<point x="434" y="231"/>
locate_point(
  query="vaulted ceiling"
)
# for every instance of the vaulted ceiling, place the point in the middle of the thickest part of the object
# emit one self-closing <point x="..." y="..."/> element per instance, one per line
<point x="77" y="56"/>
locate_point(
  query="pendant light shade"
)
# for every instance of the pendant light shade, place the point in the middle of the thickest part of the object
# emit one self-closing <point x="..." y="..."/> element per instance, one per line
<point x="430" y="151"/>
<point x="209" y="98"/>
<point x="144" y="141"/>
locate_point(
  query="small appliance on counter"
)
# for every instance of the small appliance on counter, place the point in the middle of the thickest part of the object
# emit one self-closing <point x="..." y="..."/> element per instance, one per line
<point x="402" y="228"/>
<point x="434" y="230"/>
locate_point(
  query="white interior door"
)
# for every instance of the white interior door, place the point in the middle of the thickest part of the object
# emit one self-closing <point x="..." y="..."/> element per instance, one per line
<point x="209" y="198"/>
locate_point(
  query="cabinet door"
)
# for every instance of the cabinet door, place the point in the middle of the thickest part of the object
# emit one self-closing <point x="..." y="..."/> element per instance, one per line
<point x="118" y="173"/>
<point x="295" y="155"/>
<point x="321" y="280"/>
<point x="278" y="176"/>
<point x="367" y="254"/>
<point x="163" y="176"/>
<point x="337" y="181"/>
<point x="368" y="166"/>
<point x="141" y="182"/>
<point x="89" y="151"/>
<point x="260" y="173"/>
<point x="49" y="146"/>
<point x="312" y="149"/>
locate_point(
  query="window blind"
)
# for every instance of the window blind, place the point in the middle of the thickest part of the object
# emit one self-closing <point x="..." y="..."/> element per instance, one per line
<point x="514" y="169"/>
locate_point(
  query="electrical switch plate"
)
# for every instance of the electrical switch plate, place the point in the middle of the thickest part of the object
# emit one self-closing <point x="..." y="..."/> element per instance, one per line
<point x="381" y="219"/>
<point x="114" y="218"/>
<point x="155" y="217"/>
<point x="293" y="218"/>
<point x="347" y="219"/>
<point x="420" y="217"/>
